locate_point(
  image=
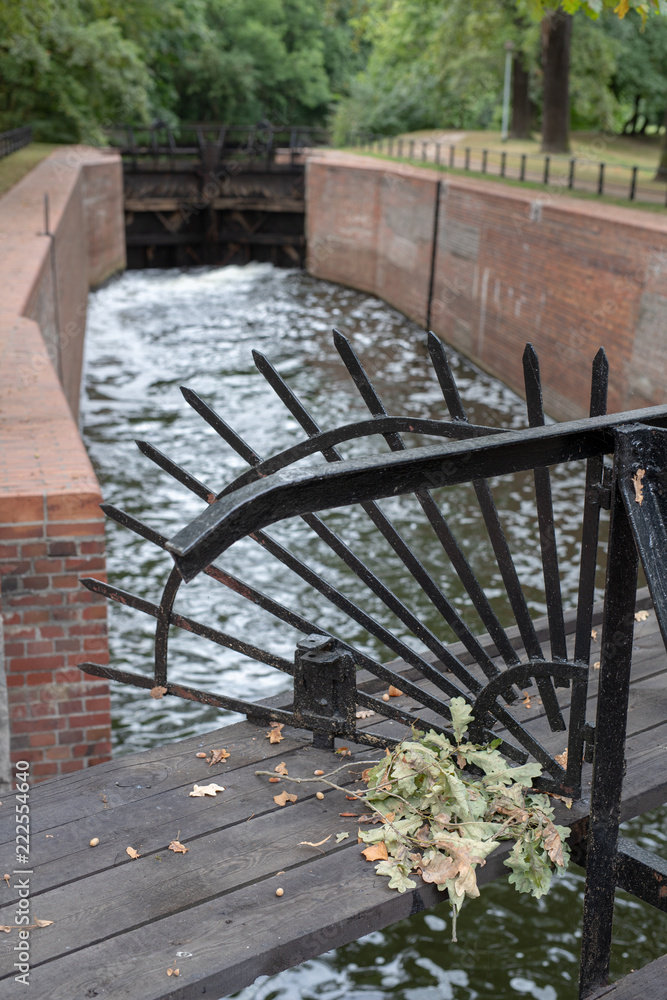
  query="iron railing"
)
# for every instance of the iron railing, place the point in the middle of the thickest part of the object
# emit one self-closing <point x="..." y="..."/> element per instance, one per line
<point x="561" y="173"/>
<point x="15" y="138"/>
<point x="326" y="692"/>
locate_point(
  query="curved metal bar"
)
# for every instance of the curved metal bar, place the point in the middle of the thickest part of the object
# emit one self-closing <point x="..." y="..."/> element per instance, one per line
<point x="171" y="587"/>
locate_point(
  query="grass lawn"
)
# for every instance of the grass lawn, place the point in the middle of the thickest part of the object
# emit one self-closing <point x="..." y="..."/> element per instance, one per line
<point x="18" y="164"/>
<point x="618" y="153"/>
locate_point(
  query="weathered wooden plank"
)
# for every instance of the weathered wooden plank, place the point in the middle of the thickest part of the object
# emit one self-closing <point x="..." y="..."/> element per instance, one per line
<point x="649" y="983"/>
<point x="239" y="203"/>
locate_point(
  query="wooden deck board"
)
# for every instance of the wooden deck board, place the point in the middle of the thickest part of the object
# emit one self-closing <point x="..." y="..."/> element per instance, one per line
<point x="119" y="924"/>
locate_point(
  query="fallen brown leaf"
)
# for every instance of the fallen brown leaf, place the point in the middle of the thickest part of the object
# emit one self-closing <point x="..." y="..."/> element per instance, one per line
<point x="596" y="665"/>
<point x="561" y="758"/>
<point x="394" y="692"/>
<point x="638" y="485"/>
<point x="177" y="847"/>
<point x="158" y="692"/>
<point x="351" y="798"/>
<point x="309" y="843"/>
<point x="5" y="929"/>
<point x="376" y="852"/>
<point x="366" y="774"/>
<point x="594" y="633"/>
<point x="7" y="878"/>
<point x="343" y="752"/>
<point x="553" y="845"/>
<point x="217" y="756"/>
<point x="281" y="769"/>
<point x="198" y="791"/>
<point x="43" y="923"/>
<point x="641" y="616"/>
<point x="284" y="798"/>
<point x="132" y="853"/>
<point x="526" y="700"/>
<point x="274" y="734"/>
<point x="365" y="713"/>
<point x="173" y="972"/>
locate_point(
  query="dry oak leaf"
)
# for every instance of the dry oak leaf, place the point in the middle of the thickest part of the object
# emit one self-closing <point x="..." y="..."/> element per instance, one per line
<point x="177" y="847"/>
<point x="217" y="756"/>
<point x="376" y="852"/>
<point x="526" y="700"/>
<point x="158" y="692"/>
<point x="594" y="633"/>
<point x="309" y="843"/>
<point x="553" y="845"/>
<point x="284" y="798"/>
<point x="638" y="485"/>
<point x="43" y="923"/>
<point x="561" y="758"/>
<point x="173" y="972"/>
<point x="132" y="853"/>
<point x="641" y="616"/>
<point x="365" y="713"/>
<point x="281" y="769"/>
<point x="198" y="791"/>
<point x="343" y="752"/>
<point x="394" y="692"/>
<point x="274" y="734"/>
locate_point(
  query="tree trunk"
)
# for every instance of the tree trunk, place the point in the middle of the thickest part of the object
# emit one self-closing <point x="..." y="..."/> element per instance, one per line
<point x="556" y="38"/>
<point x="661" y="174"/>
<point x="522" y="110"/>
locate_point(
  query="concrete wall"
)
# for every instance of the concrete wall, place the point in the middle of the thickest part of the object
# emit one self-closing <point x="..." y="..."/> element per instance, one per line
<point x="508" y="267"/>
<point x="51" y="528"/>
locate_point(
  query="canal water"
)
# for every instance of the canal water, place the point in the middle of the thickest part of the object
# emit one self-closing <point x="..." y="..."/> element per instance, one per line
<point x="150" y="332"/>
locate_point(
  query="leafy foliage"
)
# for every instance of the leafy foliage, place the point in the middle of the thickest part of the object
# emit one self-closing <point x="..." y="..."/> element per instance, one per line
<point x="447" y="806"/>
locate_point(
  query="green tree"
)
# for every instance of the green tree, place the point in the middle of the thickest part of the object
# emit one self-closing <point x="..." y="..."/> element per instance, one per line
<point x="66" y="73"/>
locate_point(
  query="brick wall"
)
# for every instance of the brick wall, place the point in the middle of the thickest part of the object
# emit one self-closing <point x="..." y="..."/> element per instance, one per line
<point x="510" y="266"/>
<point x="51" y="528"/>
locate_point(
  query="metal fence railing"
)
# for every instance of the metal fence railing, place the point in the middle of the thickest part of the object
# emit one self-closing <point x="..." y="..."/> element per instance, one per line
<point x="576" y="173"/>
<point x="15" y="138"/>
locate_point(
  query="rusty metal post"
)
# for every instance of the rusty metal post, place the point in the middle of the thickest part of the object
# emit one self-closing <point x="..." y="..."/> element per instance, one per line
<point x="324" y="688"/>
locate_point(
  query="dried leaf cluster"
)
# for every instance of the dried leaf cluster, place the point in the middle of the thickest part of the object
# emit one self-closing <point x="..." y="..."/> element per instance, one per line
<point x="442" y="820"/>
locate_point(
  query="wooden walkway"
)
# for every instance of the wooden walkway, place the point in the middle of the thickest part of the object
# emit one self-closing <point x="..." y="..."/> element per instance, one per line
<point x="119" y="924"/>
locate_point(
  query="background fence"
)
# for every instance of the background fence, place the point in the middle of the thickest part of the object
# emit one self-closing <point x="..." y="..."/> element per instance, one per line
<point x="14" y="139"/>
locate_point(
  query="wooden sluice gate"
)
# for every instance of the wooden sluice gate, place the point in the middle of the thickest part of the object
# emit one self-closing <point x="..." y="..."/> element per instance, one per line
<point x="214" y="194"/>
<point x="268" y="879"/>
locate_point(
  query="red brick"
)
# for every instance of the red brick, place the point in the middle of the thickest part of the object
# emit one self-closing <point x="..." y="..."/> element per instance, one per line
<point x="35" y="617"/>
<point x="42" y="739"/>
<point x="48" y="565"/>
<point x="89" y="719"/>
<point x="15" y="680"/>
<point x="96" y="645"/>
<point x="31" y="756"/>
<point x="94" y="628"/>
<point x="71" y="706"/>
<point x="68" y="766"/>
<point x="92" y="548"/>
<point x="69" y="676"/>
<point x="9" y="552"/>
<point x="14" y="618"/>
<point x="73" y="507"/>
<point x="51" y="662"/>
<point x="65" y="548"/>
<point x="52" y="631"/>
<point x="14" y="648"/>
<point x="39" y="677"/>
<point x="85" y="565"/>
<point x="84" y="596"/>
<point x="96" y="612"/>
<point x="100" y="658"/>
<point x="45" y="725"/>
<point x="65" y="614"/>
<point x="73" y="528"/>
<point x="45" y="770"/>
<point x="35" y="582"/>
<point x="22" y="531"/>
<point x="36" y="600"/>
<point x="32" y="550"/>
<point x="65" y="582"/>
<point x="71" y="736"/>
<point x="74" y="659"/>
<point x="82" y="750"/>
<point x="99" y="733"/>
<point x="68" y="645"/>
<point x="16" y="632"/>
<point x="102" y="704"/>
<point x="21" y="509"/>
<point x="36" y="648"/>
<point x="57" y="753"/>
